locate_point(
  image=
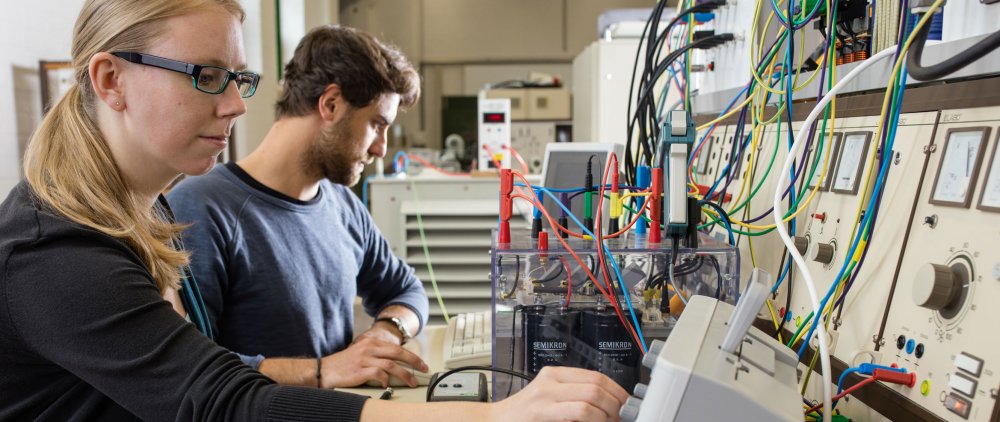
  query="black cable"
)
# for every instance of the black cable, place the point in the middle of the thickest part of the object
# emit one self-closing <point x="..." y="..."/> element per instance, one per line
<point x="949" y="66"/>
<point x="517" y="274"/>
<point x="664" y="300"/>
<point x="430" y="388"/>
<point x="645" y="111"/>
<point x="554" y="276"/>
<point x="629" y="164"/>
<point x="513" y="325"/>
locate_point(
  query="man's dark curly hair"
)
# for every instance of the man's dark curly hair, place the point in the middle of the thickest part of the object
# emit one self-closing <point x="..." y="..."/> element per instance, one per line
<point x="361" y="65"/>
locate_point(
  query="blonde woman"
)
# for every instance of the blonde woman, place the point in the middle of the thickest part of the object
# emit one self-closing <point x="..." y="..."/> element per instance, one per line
<point x="87" y="254"/>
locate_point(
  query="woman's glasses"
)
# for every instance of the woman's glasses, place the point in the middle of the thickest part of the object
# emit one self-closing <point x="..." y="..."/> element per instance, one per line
<point x="208" y="79"/>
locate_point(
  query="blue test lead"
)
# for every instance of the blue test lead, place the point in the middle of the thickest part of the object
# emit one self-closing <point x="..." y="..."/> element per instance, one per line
<point x="642" y="178"/>
<point x="563" y="221"/>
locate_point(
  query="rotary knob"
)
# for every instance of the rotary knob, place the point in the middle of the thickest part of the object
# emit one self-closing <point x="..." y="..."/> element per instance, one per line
<point x="801" y="244"/>
<point x="654" y="351"/>
<point x="823" y="253"/>
<point x="630" y="411"/>
<point x="640" y="390"/>
<point x="935" y="287"/>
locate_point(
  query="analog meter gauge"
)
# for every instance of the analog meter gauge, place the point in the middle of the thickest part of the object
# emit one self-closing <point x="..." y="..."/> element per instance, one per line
<point x="829" y="144"/>
<point x="989" y="200"/>
<point x="853" y="149"/>
<point x="956" y="176"/>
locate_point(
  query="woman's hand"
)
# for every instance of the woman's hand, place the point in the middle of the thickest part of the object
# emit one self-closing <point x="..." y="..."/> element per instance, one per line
<point x="563" y="393"/>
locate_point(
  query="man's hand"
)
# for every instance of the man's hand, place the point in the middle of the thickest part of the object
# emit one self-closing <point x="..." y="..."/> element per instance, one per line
<point x="382" y="330"/>
<point x="371" y="358"/>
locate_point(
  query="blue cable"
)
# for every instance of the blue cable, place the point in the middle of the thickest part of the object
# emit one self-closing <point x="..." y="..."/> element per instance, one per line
<point x="890" y="140"/>
<point x="805" y="20"/>
<point x="784" y="272"/>
<point x="726" y="110"/>
<point x="621" y="283"/>
<point x="840" y="382"/>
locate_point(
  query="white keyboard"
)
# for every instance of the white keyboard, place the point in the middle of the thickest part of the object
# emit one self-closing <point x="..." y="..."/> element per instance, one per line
<point x="469" y="340"/>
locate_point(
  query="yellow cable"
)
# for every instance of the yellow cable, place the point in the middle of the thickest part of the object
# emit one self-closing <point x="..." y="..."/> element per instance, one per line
<point x="867" y="192"/>
<point x="774" y="319"/>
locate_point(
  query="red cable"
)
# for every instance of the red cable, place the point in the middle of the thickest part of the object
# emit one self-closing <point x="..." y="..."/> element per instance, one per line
<point x="600" y="250"/>
<point x="569" y="279"/>
<point x="436" y="168"/>
<point x="513" y="153"/>
<point x="645" y="205"/>
<point x="853" y="388"/>
<point x="592" y="277"/>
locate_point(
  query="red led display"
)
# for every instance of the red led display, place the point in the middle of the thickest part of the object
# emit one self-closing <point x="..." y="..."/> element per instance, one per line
<point x="493" y="117"/>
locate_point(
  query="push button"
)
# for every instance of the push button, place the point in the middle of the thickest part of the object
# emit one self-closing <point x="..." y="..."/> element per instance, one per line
<point x="962" y="384"/>
<point x="969" y="363"/>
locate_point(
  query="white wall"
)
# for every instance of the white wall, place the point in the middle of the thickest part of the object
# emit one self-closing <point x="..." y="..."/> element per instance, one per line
<point x="33" y="31"/>
<point x="29" y="32"/>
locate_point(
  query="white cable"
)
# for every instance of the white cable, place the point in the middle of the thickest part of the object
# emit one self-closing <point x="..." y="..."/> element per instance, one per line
<point x="779" y="214"/>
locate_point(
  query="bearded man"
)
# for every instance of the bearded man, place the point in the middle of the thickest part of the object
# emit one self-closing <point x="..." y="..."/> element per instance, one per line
<point x="280" y="246"/>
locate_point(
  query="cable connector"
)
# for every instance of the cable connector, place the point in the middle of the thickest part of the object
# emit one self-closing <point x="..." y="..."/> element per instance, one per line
<point x="699" y="35"/>
<point x="708" y="5"/>
<point x="711" y="41"/>
<point x="869" y="368"/>
<point x="895" y="377"/>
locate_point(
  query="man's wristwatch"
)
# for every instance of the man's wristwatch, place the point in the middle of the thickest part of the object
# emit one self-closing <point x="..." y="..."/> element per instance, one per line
<point x="398" y="322"/>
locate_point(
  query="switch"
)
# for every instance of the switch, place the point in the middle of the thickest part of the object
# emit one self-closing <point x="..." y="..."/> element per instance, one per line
<point x="962" y="384"/>
<point x="821" y="216"/>
<point x="969" y="363"/>
<point x="823" y="253"/>
<point x="958" y="405"/>
<point x="935" y="287"/>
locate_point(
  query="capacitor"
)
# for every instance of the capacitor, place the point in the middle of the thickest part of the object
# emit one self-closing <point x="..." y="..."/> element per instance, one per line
<point x="617" y="354"/>
<point x="548" y="333"/>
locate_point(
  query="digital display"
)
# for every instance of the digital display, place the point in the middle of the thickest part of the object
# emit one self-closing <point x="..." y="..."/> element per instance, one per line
<point x="494" y="118"/>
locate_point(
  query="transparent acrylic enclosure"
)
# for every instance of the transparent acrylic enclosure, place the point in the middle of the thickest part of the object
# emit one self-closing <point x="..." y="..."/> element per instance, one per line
<point x="547" y="311"/>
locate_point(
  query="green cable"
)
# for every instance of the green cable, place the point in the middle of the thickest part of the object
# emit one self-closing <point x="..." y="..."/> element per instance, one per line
<point x="427" y="253"/>
<point x="805" y="187"/>
<point x="805" y="322"/>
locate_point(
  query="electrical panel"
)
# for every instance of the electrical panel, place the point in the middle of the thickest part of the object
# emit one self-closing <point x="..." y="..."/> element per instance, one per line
<point x="726" y="66"/>
<point x="943" y="315"/>
<point x="831" y="219"/>
<point x="494" y="133"/>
